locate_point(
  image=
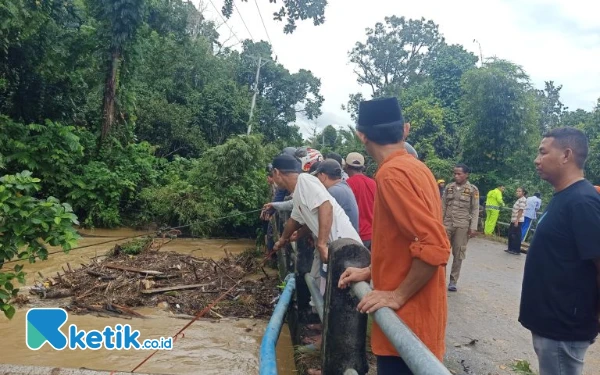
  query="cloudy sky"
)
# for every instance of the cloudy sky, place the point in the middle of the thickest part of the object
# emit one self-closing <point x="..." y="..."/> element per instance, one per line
<point x="555" y="40"/>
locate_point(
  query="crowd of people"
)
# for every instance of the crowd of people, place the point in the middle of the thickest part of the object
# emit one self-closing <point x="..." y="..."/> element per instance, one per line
<point x="411" y="223"/>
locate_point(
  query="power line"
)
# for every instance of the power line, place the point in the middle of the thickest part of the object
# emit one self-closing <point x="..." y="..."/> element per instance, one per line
<point x="263" y="23"/>
<point x="244" y="22"/>
<point x="224" y="21"/>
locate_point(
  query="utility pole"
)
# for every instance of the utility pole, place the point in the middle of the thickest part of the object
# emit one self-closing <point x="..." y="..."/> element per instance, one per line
<point x="480" y="53"/>
<point x="255" y="93"/>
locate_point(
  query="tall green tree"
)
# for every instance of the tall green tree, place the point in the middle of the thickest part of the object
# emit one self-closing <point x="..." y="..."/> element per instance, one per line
<point x="45" y="62"/>
<point x="577" y="118"/>
<point x="120" y="20"/>
<point x="427" y="131"/>
<point x="187" y="98"/>
<point x="501" y="117"/>
<point x="590" y="124"/>
<point x="353" y="104"/>
<point x="329" y="137"/>
<point x="445" y="66"/>
<point x="409" y="59"/>
<point x="551" y="107"/>
<point x="394" y="54"/>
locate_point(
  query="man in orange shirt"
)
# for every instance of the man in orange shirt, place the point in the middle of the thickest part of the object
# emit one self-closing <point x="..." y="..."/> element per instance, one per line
<point x="410" y="248"/>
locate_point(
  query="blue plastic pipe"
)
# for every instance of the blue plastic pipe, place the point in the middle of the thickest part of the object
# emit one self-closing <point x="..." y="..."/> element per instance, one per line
<point x="268" y="356"/>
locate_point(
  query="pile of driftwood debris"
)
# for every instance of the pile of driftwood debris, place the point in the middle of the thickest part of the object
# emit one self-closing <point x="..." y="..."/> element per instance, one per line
<point x="182" y="283"/>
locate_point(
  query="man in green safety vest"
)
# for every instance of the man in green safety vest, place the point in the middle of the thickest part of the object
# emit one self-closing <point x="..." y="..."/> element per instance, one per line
<point x="492" y="209"/>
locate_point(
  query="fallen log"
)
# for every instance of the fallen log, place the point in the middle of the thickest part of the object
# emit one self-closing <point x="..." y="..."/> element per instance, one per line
<point x="96" y="308"/>
<point x="58" y="293"/>
<point x="171" y="288"/>
<point x="132" y="269"/>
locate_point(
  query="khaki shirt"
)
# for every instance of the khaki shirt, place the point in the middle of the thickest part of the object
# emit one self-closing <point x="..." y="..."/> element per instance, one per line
<point x="460" y="206"/>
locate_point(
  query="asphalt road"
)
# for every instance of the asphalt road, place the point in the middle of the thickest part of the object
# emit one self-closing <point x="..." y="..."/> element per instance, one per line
<point x="486" y="309"/>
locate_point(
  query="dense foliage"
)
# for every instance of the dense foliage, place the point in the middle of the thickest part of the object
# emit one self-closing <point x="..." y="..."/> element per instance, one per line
<point x="132" y="112"/>
<point x="27" y="226"/>
<point x="487" y="115"/>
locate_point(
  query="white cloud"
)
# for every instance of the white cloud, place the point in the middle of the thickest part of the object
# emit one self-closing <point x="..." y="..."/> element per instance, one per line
<point x="555" y="40"/>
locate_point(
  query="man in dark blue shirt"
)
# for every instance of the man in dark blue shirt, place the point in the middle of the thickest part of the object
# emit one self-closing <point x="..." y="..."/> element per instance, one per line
<point x="560" y="302"/>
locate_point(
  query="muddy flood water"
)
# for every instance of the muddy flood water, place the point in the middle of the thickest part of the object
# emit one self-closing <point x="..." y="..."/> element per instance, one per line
<point x="226" y="346"/>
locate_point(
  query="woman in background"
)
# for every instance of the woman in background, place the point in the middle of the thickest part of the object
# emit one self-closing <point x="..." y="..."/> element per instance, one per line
<point x="516" y="221"/>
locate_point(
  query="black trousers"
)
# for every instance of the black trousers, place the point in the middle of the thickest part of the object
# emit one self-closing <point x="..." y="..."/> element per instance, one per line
<point x="389" y="365"/>
<point x="514" y="237"/>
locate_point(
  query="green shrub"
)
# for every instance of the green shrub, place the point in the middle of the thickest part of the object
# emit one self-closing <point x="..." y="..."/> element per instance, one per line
<point x="27" y="226"/>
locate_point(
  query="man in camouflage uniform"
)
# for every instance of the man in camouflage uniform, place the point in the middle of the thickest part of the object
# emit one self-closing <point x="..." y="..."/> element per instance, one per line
<point x="460" y="204"/>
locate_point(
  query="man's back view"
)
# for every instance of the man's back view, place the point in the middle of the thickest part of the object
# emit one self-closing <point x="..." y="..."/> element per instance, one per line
<point x="410" y="248"/>
<point x="364" y="189"/>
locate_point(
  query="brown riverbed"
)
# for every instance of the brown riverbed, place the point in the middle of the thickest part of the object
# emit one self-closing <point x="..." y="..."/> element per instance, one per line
<point x="210" y="346"/>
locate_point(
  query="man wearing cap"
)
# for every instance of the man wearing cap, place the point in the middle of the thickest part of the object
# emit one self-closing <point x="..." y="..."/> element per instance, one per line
<point x="337" y="157"/>
<point x="281" y="193"/>
<point x="364" y="189"/>
<point x="410" y="248"/>
<point x="313" y="206"/>
<point x="329" y="172"/>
